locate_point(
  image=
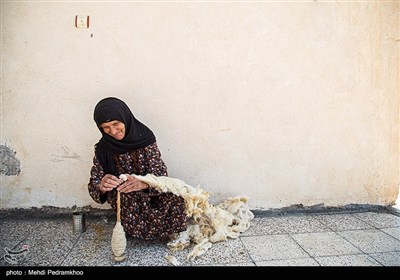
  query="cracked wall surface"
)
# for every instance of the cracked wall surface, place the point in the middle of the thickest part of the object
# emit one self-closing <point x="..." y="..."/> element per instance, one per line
<point x="9" y="163"/>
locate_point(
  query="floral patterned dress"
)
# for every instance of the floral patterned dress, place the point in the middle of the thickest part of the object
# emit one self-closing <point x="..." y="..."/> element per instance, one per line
<point x="145" y="214"/>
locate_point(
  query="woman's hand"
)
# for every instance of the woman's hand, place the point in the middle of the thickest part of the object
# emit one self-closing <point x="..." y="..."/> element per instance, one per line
<point x="132" y="185"/>
<point x="108" y="183"/>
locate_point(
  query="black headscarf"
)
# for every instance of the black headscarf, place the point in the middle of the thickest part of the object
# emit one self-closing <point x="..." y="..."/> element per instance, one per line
<point x="137" y="135"/>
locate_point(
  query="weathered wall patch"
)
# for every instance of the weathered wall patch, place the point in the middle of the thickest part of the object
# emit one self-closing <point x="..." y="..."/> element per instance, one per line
<point x="9" y="164"/>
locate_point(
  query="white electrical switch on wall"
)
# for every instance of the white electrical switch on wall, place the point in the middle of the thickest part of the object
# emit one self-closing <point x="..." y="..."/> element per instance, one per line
<point x="82" y="21"/>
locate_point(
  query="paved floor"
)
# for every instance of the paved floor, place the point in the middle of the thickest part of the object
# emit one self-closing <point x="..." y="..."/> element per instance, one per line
<point x="356" y="236"/>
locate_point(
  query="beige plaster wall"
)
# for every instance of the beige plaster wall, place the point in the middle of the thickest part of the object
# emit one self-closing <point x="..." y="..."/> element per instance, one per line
<point x="285" y="102"/>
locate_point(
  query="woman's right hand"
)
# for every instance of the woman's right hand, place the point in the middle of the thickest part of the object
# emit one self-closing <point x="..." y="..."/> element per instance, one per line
<point x="109" y="182"/>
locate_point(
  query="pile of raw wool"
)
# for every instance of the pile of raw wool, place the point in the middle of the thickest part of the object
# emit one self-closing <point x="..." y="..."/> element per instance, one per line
<point x="210" y="223"/>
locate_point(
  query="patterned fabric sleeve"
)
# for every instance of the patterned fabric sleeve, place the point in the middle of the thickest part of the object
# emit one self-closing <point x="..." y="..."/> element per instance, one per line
<point x="96" y="174"/>
<point x="154" y="163"/>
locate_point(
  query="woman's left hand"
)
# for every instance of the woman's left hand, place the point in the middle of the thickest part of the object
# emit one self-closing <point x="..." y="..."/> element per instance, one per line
<point x="132" y="185"/>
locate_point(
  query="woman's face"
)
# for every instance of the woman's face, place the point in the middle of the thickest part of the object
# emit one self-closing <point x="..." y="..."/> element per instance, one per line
<point x="115" y="129"/>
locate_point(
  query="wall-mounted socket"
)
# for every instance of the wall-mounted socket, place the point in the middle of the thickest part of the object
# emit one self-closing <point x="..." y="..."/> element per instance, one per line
<point x="82" y="21"/>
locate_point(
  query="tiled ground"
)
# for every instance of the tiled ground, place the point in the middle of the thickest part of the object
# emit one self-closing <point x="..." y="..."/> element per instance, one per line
<point x="366" y="237"/>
